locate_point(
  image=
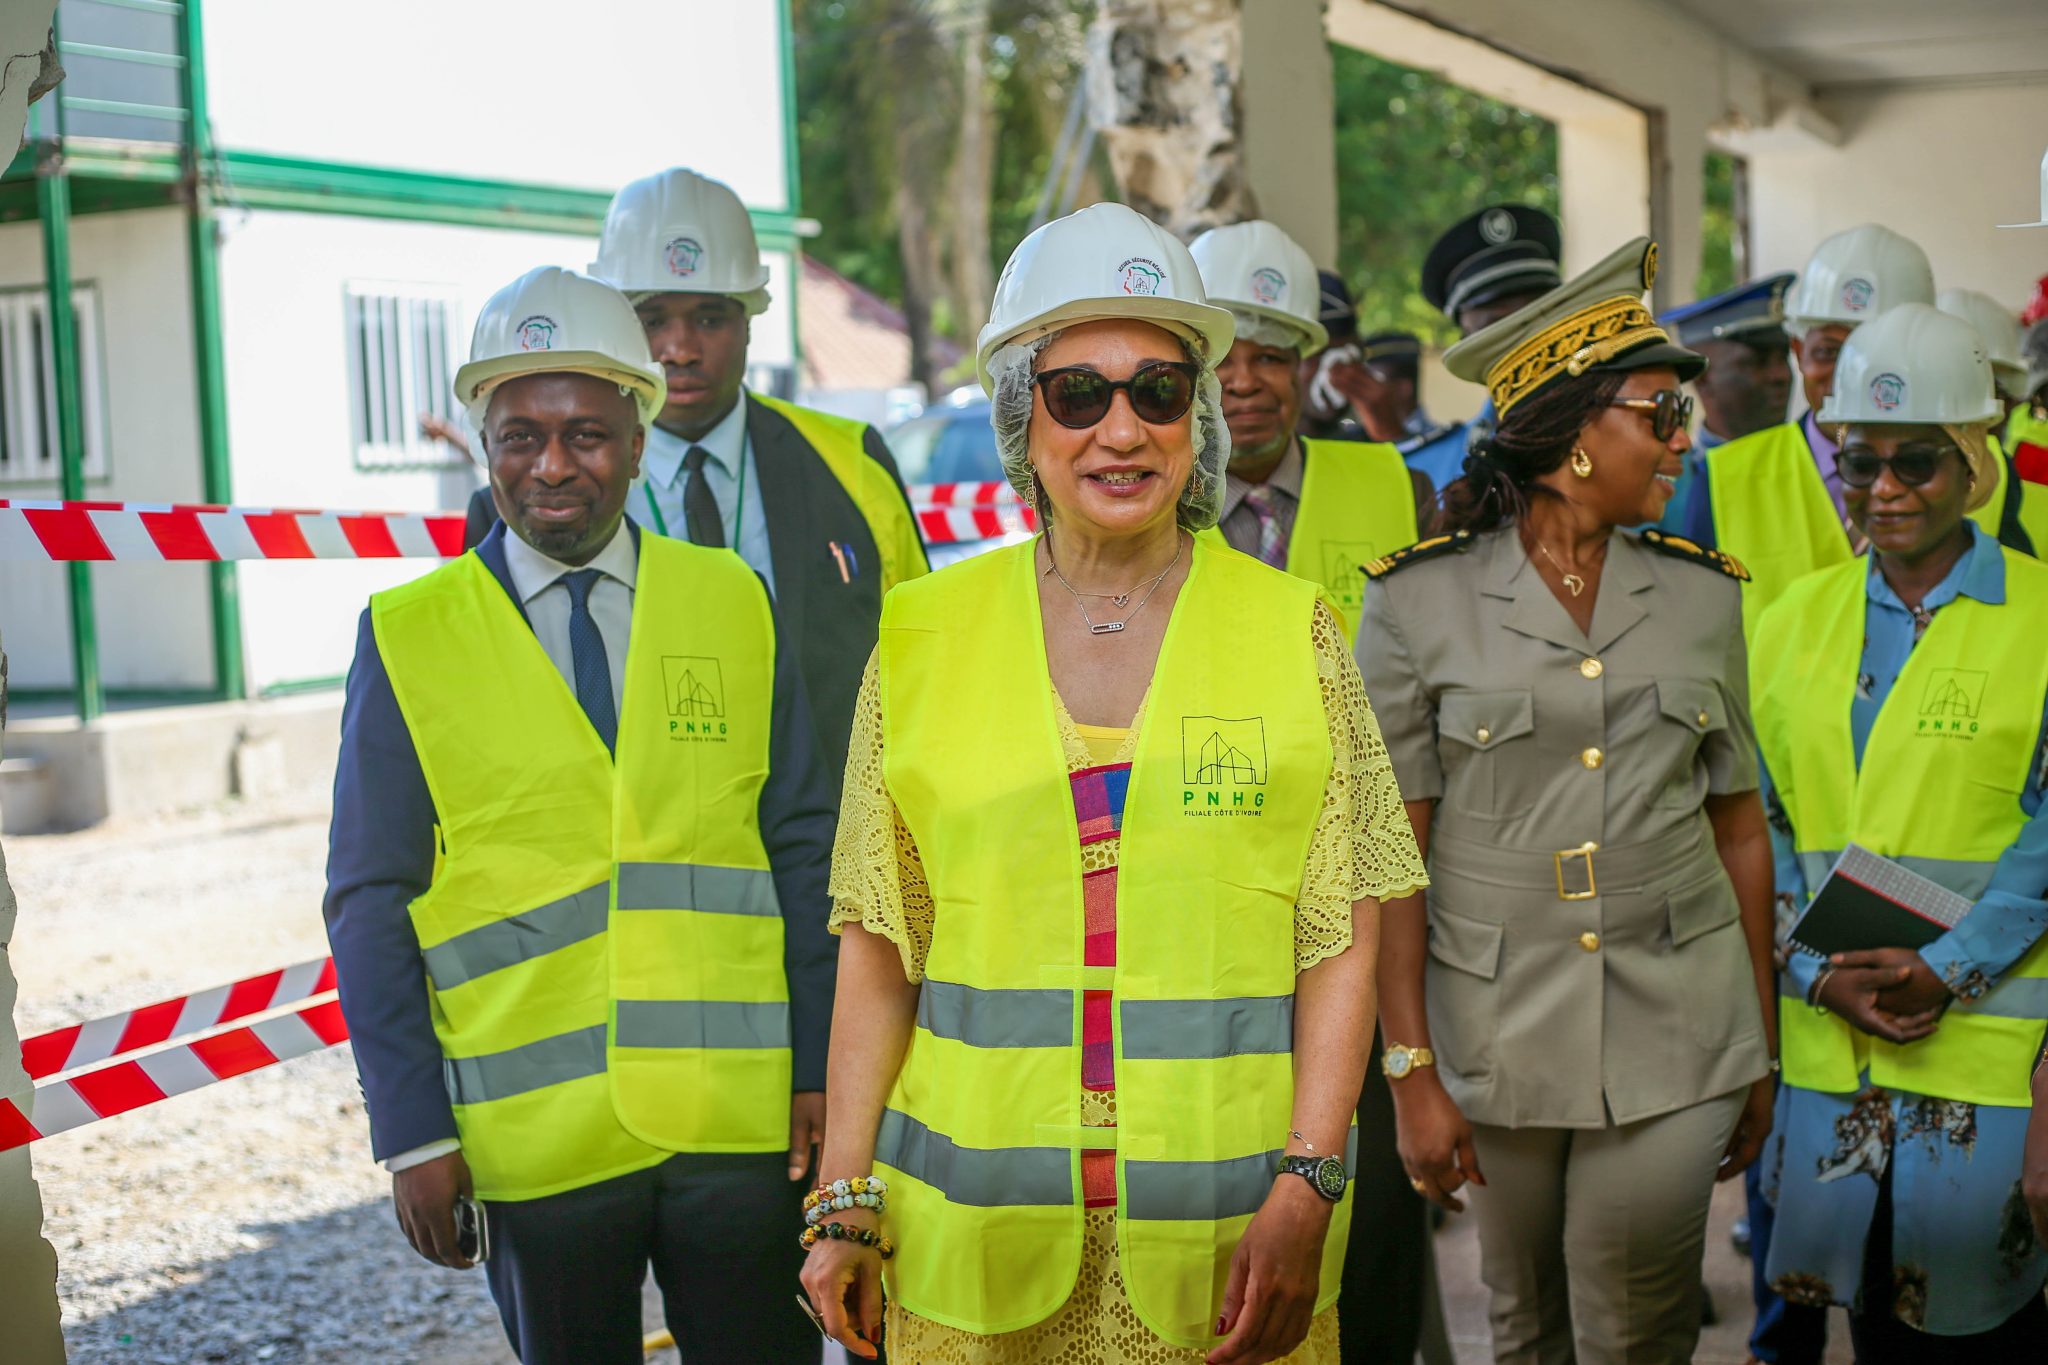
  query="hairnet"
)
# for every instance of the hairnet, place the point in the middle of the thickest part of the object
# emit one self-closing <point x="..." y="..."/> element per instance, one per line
<point x="1011" y="369"/>
<point x="1261" y="330"/>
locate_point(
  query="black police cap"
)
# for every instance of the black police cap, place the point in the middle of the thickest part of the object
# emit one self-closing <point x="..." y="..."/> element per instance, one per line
<point x="1502" y="249"/>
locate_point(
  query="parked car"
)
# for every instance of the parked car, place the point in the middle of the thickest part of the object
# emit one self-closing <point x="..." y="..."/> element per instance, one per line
<point x="952" y="442"/>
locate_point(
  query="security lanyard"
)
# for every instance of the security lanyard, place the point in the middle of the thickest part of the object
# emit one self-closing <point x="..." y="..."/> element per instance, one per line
<point x="738" y="511"/>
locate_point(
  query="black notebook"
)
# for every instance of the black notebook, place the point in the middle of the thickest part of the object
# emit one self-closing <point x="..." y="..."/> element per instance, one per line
<point x="1868" y="901"/>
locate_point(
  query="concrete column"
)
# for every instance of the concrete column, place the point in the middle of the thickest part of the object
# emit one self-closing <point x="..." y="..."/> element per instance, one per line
<point x="1288" y="105"/>
<point x="1603" y="178"/>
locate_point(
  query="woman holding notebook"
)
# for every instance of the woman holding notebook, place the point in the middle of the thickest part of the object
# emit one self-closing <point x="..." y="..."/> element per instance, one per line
<point x="1900" y="707"/>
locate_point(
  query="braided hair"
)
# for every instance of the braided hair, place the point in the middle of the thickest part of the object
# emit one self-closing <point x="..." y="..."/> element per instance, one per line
<point x="1535" y="437"/>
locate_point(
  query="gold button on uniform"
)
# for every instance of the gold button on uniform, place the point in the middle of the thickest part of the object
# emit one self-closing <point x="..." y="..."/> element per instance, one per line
<point x="1591" y="668"/>
<point x="1590" y="941"/>
<point x="1483" y="734"/>
<point x="1592" y="758"/>
<point x="1703" y="718"/>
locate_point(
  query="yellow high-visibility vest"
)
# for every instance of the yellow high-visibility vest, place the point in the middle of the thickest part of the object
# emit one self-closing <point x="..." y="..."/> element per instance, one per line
<point x="2032" y="512"/>
<point x="981" y="1136"/>
<point x="1357" y="504"/>
<point x="603" y="941"/>
<point x="838" y="441"/>
<point x="1939" y="790"/>
<point x="1773" y="513"/>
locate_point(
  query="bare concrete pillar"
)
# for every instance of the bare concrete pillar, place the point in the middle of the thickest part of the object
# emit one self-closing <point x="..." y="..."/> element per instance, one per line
<point x="1289" y="103"/>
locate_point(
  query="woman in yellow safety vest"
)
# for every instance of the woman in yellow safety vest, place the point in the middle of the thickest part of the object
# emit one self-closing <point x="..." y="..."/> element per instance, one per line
<point x="1115" y="825"/>
<point x="1900" y="706"/>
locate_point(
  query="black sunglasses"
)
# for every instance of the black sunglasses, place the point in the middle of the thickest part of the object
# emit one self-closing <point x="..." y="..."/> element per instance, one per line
<point x="1161" y="391"/>
<point x="1670" y="411"/>
<point x="1912" y="466"/>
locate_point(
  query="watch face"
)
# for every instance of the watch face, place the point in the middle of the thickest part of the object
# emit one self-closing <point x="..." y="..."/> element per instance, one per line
<point x="1330" y="1178"/>
<point x="1399" y="1062"/>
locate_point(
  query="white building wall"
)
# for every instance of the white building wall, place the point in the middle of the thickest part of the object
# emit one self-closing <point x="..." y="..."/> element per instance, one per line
<point x="1942" y="166"/>
<point x="155" y="621"/>
<point x="589" y="95"/>
<point x="283" y="283"/>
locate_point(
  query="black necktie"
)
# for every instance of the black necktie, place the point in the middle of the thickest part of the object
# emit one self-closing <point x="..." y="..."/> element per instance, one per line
<point x="701" y="517"/>
<point x="592" y="668"/>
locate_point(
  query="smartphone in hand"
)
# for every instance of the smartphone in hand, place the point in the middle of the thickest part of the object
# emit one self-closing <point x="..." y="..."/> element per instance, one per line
<point x="472" y="1230"/>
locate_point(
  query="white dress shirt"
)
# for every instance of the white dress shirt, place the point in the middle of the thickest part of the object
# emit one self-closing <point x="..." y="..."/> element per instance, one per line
<point x="734" y="479"/>
<point x="537" y="580"/>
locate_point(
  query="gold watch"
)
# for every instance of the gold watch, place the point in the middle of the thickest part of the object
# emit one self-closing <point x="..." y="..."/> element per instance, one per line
<point x="1400" y="1060"/>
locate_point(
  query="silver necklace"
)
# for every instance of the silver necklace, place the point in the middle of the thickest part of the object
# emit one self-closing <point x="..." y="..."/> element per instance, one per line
<point x="1112" y="627"/>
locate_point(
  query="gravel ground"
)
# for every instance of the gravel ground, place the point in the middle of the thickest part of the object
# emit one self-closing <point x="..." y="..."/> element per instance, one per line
<point x="246" y="1222"/>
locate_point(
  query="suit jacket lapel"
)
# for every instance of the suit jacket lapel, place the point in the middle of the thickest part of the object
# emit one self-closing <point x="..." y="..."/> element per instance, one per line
<point x="782" y="462"/>
<point x="1623" y="582"/>
<point x="491" y="550"/>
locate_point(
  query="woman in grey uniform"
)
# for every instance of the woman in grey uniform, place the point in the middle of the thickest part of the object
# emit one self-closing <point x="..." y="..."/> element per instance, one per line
<point x="1575" y="1020"/>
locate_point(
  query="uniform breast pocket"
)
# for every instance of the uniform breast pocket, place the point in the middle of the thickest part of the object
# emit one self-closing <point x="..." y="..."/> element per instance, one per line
<point x="1478" y="732"/>
<point x="1689" y="710"/>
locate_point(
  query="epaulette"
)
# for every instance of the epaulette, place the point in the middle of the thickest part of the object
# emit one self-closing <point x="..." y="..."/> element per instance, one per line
<point x="1454" y="543"/>
<point x="1678" y="547"/>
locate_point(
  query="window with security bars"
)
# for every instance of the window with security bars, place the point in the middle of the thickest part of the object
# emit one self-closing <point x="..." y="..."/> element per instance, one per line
<point x="401" y="367"/>
<point x="29" y="452"/>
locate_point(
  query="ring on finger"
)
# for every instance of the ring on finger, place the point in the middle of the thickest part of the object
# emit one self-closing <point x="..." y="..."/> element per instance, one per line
<point x="1420" y="1188"/>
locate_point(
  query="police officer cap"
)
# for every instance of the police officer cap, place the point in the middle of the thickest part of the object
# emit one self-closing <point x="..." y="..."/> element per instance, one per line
<point x="1402" y="349"/>
<point x="1334" y="308"/>
<point x="1502" y="249"/>
<point x="1595" y="322"/>
<point x="1748" y="312"/>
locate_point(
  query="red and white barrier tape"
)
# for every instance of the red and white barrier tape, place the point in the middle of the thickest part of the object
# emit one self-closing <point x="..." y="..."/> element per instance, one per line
<point x="119" y="1087"/>
<point x="67" y="1049"/>
<point x="951" y="512"/>
<point x="33" y="530"/>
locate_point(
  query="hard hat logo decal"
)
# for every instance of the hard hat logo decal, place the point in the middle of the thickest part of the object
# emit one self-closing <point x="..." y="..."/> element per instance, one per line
<point x="1267" y="284"/>
<point x="1497" y="226"/>
<point x="1142" y="276"/>
<point x="537" y="333"/>
<point x="1887" y="391"/>
<point x="1857" y="294"/>
<point x="685" y="255"/>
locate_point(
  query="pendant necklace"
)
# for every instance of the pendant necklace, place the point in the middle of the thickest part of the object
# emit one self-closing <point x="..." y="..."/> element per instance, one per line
<point x="1112" y="627"/>
<point x="1572" y="582"/>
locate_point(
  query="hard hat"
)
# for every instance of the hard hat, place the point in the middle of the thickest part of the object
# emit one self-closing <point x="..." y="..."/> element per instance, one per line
<point x="1998" y="329"/>
<point x="551" y="320"/>
<point x="1256" y="268"/>
<point x="1855" y="275"/>
<point x="1913" y="364"/>
<point x="1106" y="261"/>
<point x="2043" y="220"/>
<point x="681" y="233"/>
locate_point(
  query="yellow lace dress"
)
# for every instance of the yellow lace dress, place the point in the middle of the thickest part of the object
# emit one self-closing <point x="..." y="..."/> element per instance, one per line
<point x="1362" y="847"/>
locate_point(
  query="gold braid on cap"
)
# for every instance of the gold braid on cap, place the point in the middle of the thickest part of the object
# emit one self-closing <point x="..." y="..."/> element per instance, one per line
<point x="1571" y="346"/>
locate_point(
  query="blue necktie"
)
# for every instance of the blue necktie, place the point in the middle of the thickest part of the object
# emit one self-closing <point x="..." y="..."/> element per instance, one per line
<point x="586" y="653"/>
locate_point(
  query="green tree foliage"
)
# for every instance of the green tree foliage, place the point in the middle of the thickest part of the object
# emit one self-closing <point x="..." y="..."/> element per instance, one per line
<point x="1718" y="265"/>
<point x="1415" y="153"/>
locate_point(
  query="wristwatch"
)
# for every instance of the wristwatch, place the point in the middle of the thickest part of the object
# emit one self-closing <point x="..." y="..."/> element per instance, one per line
<point x="1324" y="1174"/>
<point x="1400" y="1060"/>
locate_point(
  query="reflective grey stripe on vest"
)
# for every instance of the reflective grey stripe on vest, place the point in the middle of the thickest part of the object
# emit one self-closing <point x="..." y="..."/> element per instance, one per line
<point x="1964" y="876"/>
<point x="979" y="1018"/>
<point x="535" y="1066"/>
<point x="1170" y="1030"/>
<point x="508" y="942"/>
<point x="702" y="1023"/>
<point x="982" y="1177"/>
<point x="1209" y="1190"/>
<point x="697" y="886"/>
<point x="2016" y="997"/>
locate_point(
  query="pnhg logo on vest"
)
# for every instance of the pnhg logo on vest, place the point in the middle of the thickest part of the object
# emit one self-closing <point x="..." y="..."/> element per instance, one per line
<point x="693" y="685"/>
<point x="1344" y="564"/>
<point x="1952" y="703"/>
<point x="1220" y="760"/>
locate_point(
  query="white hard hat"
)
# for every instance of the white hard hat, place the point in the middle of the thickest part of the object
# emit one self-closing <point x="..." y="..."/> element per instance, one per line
<point x="1257" y="268"/>
<point x="682" y="233"/>
<point x="1913" y="364"/>
<point x="1855" y="275"/>
<point x="2043" y="220"/>
<point x="1106" y="261"/>
<point x="1999" y="330"/>
<point x="551" y="320"/>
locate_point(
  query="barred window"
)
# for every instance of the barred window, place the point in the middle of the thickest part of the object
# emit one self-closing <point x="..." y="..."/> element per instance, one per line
<point x="29" y="452"/>
<point x="400" y="371"/>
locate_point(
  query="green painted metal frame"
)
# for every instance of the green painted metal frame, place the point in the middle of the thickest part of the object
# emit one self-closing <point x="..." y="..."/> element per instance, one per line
<point x="53" y="196"/>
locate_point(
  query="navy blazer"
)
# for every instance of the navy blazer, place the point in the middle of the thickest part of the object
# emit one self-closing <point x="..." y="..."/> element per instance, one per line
<point x="381" y="856"/>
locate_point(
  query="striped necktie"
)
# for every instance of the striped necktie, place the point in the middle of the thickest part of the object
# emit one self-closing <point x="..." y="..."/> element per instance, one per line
<point x="1272" y="535"/>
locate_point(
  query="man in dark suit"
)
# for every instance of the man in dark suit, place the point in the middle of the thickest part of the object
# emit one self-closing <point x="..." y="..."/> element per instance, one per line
<point x="618" y="1088"/>
<point x="812" y="502"/>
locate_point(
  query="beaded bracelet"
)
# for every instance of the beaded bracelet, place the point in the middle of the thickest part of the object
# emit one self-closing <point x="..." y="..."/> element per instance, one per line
<point x="843" y="1232"/>
<point x="862" y="1191"/>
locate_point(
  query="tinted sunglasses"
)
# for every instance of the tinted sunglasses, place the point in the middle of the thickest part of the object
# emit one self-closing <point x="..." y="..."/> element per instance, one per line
<point x="1912" y="466"/>
<point x="1670" y="411"/>
<point x="1161" y="391"/>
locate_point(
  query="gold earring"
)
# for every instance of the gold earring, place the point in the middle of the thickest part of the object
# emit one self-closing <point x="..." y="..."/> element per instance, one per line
<point x="1582" y="463"/>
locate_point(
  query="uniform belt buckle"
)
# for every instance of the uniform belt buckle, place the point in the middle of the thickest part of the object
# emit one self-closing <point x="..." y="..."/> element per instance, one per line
<point x="1564" y="856"/>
